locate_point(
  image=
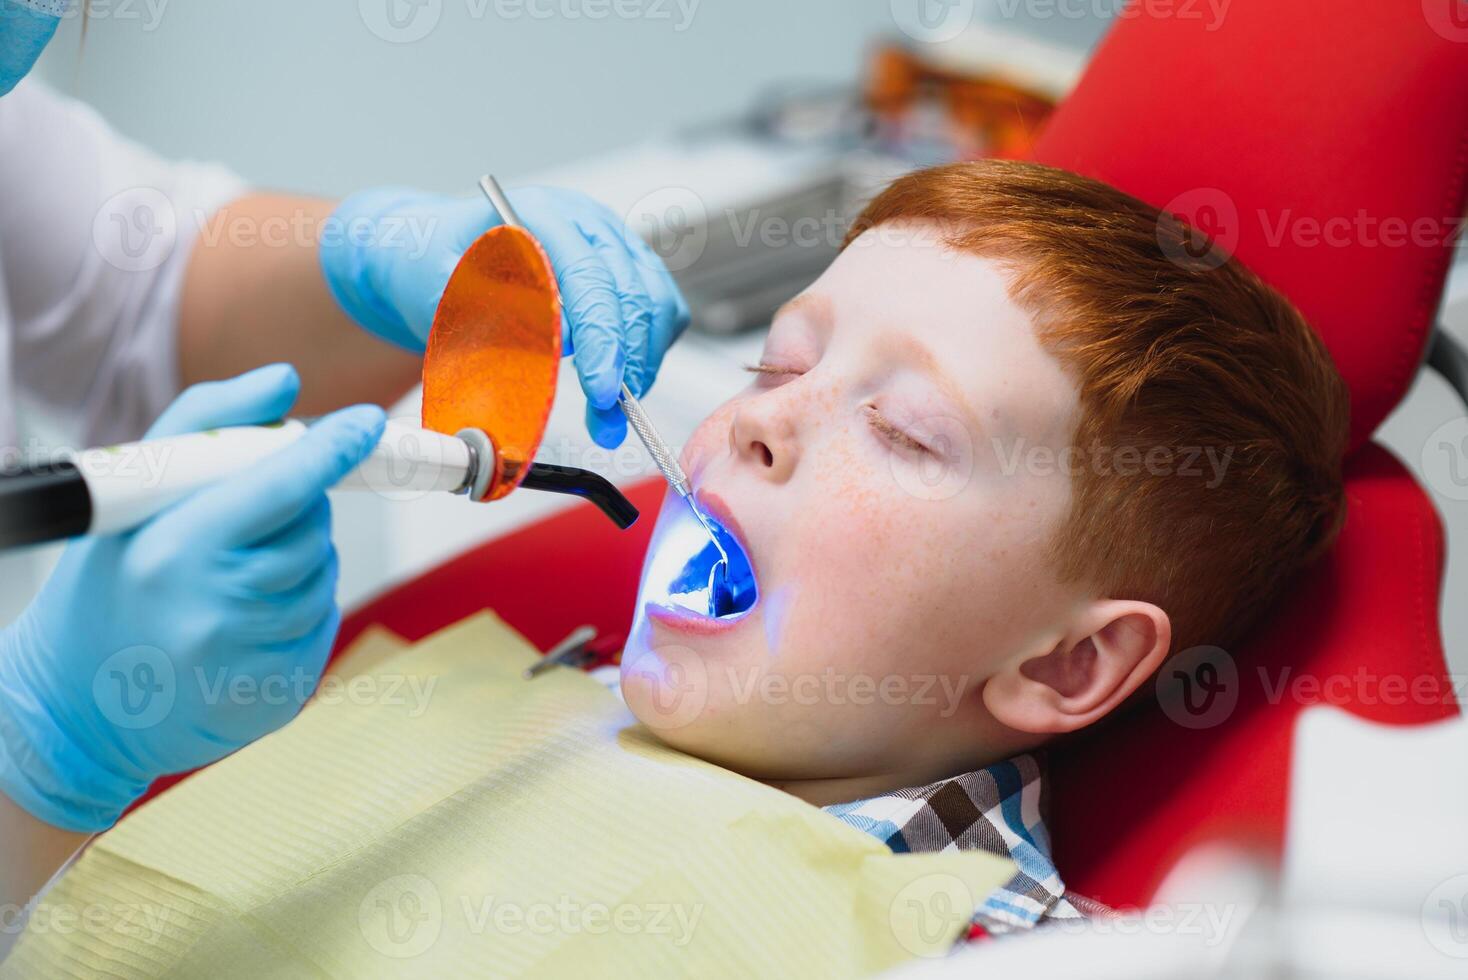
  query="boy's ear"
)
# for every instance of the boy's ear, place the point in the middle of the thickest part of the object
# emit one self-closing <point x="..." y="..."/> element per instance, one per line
<point x="1115" y="646"/>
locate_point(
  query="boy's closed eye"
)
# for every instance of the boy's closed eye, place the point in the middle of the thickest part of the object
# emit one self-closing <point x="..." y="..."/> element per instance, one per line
<point x="892" y="432"/>
<point x="772" y="370"/>
<point x="881" y="424"/>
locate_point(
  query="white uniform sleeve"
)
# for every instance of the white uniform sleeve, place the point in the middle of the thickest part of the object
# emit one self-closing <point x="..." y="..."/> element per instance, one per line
<point x="95" y="236"/>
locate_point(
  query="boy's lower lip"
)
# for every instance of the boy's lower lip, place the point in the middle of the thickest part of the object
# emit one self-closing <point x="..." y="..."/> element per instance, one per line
<point x="687" y="621"/>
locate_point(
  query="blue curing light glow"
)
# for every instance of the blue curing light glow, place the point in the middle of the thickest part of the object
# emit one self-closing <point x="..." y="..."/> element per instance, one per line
<point x="727" y="593"/>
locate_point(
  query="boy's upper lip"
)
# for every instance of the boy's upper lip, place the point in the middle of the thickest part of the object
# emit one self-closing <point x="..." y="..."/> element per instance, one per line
<point x="717" y="508"/>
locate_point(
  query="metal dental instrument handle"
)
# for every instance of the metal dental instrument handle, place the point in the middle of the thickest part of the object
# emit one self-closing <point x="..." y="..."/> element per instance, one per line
<point x="663" y="456"/>
<point x="501" y="202"/>
<point x="572" y="651"/>
<point x="666" y="462"/>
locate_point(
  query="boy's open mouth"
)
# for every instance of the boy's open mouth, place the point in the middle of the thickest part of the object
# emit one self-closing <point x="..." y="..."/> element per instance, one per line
<point x="687" y="570"/>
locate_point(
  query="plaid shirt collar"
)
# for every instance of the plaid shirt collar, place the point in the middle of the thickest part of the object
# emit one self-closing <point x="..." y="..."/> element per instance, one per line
<point x="996" y="809"/>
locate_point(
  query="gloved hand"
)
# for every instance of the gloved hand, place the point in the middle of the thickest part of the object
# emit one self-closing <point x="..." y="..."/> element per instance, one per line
<point x="393" y="250"/>
<point x="168" y="647"/>
<point x="25" y="28"/>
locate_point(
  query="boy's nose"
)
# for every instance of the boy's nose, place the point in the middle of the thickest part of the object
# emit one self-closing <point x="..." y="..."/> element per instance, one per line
<point x="764" y="436"/>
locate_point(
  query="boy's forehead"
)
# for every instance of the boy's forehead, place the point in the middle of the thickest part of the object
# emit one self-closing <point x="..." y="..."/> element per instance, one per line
<point x="912" y="280"/>
<point x="909" y="289"/>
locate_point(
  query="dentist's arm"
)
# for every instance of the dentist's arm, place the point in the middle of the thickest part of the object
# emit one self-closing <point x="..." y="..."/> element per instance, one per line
<point x="254" y="294"/>
<point x="33" y="852"/>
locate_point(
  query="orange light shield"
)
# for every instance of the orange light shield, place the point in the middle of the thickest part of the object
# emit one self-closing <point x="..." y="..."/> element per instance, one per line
<point x="495" y="350"/>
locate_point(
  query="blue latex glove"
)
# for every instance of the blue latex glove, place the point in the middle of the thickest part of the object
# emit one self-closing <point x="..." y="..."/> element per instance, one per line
<point x="26" y="26"/>
<point x="168" y="647"/>
<point x="392" y="250"/>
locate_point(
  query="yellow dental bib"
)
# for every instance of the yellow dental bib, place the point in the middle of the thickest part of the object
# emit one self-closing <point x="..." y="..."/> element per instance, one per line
<point x="434" y="814"/>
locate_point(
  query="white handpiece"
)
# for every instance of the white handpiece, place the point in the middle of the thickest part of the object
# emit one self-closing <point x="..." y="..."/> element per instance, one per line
<point x="132" y="482"/>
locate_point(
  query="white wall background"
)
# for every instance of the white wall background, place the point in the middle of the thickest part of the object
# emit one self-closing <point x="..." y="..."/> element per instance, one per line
<point x="327" y="96"/>
<point x="305" y="96"/>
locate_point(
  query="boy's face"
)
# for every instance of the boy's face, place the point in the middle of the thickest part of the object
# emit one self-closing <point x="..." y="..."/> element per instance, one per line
<point x="886" y="477"/>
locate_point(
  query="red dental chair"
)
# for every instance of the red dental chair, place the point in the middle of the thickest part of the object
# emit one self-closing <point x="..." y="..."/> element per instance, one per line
<point x="1288" y="118"/>
<point x="1284" y="114"/>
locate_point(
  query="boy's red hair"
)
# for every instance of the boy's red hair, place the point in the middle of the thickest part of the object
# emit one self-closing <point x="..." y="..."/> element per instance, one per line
<point x="1172" y="346"/>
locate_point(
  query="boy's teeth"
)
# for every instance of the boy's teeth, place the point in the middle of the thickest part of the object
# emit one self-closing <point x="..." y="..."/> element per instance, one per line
<point x="721" y="599"/>
<point x="711" y="586"/>
<point x="705" y="582"/>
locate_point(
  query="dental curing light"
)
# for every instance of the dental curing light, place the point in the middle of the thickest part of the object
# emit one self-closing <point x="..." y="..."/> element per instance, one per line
<point x="115" y="489"/>
<point x="719" y="588"/>
<point x="489" y="380"/>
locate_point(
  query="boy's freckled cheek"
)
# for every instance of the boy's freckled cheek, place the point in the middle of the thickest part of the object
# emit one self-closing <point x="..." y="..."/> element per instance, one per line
<point x="711" y="436"/>
<point x="869" y="549"/>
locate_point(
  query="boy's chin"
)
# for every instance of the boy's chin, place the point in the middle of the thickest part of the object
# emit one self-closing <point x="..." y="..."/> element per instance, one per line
<point x="730" y="734"/>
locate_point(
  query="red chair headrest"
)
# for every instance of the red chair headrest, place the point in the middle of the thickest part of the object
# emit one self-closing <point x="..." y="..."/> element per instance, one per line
<point x="1323" y="142"/>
